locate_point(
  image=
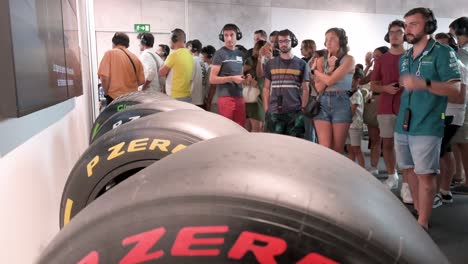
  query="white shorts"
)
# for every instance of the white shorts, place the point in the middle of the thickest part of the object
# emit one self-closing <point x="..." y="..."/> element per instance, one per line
<point x="387" y="125"/>
<point x="354" y="137"/>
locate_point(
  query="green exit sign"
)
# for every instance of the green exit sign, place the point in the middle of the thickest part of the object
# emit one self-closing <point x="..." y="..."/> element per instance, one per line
<point x="141" y="28"/>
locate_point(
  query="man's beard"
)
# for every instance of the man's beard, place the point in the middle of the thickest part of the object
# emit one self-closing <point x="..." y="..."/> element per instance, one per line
<point x="416" y="38"/>
<point x="287" y="50"/>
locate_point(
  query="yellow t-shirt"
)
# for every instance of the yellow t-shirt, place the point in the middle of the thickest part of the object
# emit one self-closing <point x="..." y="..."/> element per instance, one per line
<point x="181" y="63"/>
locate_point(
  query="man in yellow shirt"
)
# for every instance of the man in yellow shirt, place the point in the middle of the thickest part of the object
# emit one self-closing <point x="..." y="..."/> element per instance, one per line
<point x="120" y="71"/>
<point x="178" y="68"/>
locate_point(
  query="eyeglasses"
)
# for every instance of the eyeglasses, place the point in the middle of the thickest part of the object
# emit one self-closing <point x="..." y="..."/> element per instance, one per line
<point x="286" y="41"/>
<point x="395" y="33"/>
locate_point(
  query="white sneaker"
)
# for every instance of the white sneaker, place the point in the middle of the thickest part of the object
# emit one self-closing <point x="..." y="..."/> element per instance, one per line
<point x="374" y="171"/>
<point x="405" y="194"/>
<point x="392" y="181"/>
<point x="437" y="201"/>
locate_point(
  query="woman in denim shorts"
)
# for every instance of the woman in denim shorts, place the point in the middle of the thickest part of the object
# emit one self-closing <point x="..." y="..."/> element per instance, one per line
<point x="333" y="78"/>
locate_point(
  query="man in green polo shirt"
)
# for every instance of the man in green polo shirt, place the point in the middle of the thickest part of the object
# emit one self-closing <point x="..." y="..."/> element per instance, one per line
<point x="429" y="73"/>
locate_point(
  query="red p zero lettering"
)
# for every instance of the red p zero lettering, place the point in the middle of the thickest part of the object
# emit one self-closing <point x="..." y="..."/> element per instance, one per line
<point x="314" y="258"/>
<point x="144" y="242"/>
<point x="264" y="254"/>
<point x="186" y="238"/>
<point x="91" y="258"/>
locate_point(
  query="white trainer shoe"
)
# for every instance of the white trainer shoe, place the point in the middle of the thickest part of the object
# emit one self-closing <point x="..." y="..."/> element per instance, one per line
<point x="392" y="181"/>
<point x="405" y="194"/>
<point x="374" y="171"/>
<point x="437" y="201"/>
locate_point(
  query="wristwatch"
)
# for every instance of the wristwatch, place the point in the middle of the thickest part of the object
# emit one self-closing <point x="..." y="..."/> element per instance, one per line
<point x="428" y="83"/>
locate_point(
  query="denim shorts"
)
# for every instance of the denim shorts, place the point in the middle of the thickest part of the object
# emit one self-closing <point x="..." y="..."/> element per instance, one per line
<point x="419" y="152"/>
<point x="335" y="107"/>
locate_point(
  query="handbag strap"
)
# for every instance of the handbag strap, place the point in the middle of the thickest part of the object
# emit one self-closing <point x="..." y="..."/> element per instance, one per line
<point x="133" y="64"/>
<point x="154" y="58"/>
<point x="318" y="94"/>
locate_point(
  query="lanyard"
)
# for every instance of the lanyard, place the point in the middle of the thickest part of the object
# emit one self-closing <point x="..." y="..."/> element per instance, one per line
<point x="425" y="53"/>
<point x="418" y="71"/>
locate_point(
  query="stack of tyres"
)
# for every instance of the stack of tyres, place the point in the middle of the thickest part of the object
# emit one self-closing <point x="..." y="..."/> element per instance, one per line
<point x="123" y="151"/>
<point x="138" y="111"/>
<point x="246" y="198"/>
<point x="123" y="102"/>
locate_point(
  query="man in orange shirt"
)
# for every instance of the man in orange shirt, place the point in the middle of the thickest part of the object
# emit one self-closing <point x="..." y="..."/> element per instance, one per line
<point x="120" y="71"/>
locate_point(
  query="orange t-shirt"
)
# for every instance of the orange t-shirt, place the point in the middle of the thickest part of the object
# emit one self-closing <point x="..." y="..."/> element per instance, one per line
<point x="116" y="66"/>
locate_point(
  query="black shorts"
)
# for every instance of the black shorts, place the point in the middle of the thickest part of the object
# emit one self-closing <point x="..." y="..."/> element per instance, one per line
<point x="449" y="133"/>
<point x="108" y="99"/>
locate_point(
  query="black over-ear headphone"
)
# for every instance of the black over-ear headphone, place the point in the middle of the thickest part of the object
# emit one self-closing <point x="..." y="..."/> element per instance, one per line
<point x="397" y="23"/>
<point x="460" y="26"/>
<point x="209" y="53"/>
<point x="452" y="42"/>
<point x="431" y="23"/>
<point x="238" y="32"/>
<point x="343" y="39"/>
<point x="294" y="41"/>
<point x="174" y="38"/>
<point x="164" y="52"/>
<point x="143" y="40"/>
<point x="341" y="36"/>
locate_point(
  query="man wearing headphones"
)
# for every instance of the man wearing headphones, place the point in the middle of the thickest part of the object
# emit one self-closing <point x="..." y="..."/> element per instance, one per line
<point x="429" y="73"/>
<point x="120" y="71"/>
<point x="385" y="81"/>
<point x="199" y="75"/>
<point x="210" y="89"/>
<point x="151" y="62"/>
<point x="459" y="29"/>
<point x="178" y="68"/>
<point x="286" y="89"/>
<point x="258" y="35"/>
<point x="226" y="73"/>
<point x="274" y="43"/>
<point x="163" y="51"/>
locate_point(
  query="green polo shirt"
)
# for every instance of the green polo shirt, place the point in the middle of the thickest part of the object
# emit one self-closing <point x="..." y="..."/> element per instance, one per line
<point x="438" y="63"/>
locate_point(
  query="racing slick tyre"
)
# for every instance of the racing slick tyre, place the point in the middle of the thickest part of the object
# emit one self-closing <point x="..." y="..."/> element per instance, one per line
<point x="247" y="198"/>
<point x="139" y="111"/>
<point x="123" y="102"/>
<point x="127" y="149"/>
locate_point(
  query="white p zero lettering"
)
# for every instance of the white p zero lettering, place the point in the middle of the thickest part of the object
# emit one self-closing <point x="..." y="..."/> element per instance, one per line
<point x="117" y="124"/>
<point x="133" y="118"/>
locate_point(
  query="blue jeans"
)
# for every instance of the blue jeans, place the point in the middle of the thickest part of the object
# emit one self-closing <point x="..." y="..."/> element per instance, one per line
<point x="335" y="107"/>
<point x="419" y="152"/>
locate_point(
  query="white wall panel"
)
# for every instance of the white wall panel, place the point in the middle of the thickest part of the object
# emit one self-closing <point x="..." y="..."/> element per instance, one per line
<point x="365" y="31"/>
